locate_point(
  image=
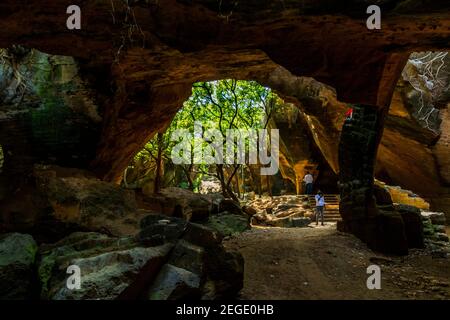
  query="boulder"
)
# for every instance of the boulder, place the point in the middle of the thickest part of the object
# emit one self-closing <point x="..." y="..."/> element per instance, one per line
<point x="382" y="195"/>
<point x="188" y="256"/>
<point x="230" y="206"/>
<point x="439" y="228"/>
<point x="391" y="230"/>
<point x="182" y="203"/>
<point x="383" y="233"/>
<point x="435" y="217"/>
<point x="111" y="268"/>
<point x="223" y="271"/>
<point x="250" y="195"/>
<point x="169" y="259"/>
<point x="75" y="198"/>
<point x="224" y="274"/>
<point x="289" y="222"/>
<point x="407" y="208"/>
<point x="250" y="211"/>
<point x="202" y="235"/>
<point x="158" y="229"/>
<point x="428" y="227"/>
<point x="17" y="261"/>
<point x="229" y="224"/>
<point x="215" y="199"/>
<point x="412" y="220"/>
<point x="284" y="210"/>
<point x="175" y="283"/>
<point x="301" y="222"/>
<point x="442" y="237"/>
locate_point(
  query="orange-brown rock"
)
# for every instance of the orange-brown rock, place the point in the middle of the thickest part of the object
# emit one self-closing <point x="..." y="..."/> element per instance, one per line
<point x="176" y="43"/>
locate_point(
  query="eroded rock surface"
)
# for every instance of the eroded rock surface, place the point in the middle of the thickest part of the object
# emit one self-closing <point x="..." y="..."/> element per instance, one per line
<point x="17" y="263"/>
<point x="187" y="264"/>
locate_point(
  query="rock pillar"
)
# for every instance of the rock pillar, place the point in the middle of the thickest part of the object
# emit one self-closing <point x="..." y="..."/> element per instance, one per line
<point x="381" y="230"/>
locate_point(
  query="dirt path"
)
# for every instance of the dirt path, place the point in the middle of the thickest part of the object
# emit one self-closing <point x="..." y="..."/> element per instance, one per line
<point x="321" y="263"/>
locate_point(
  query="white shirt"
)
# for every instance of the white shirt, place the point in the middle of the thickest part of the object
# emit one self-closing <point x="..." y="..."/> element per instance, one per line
<point x="308" y="178"/>
<point x="320" y="200"/>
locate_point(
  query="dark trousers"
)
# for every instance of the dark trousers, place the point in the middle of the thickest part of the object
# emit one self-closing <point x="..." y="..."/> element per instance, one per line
<point x="309" y="188"/>
<point x="319" y="214"/>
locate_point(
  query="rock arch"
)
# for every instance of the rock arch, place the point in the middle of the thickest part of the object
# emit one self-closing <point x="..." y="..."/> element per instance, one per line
<point x="141" y="79"/>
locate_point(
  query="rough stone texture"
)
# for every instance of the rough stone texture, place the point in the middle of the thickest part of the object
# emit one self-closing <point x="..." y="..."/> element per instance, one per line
<point x="182" y="42"/>
<point x="199" y="254"/>
<point x="402" y="196"/>
<point x="382" y="231"/>
<point x="301" y="222"/>
<point x="413" y="225"/>
<point x="248" y="40"/>
<point x="175" y="283"/>
<point x="229" y="224"/>
<point x="437" y="218"/>
<point x="230" y="206"/>
<point x="111" y="268"/>
<point x="390" y="235"/>
<point x="248" y="210"/>
<point x="47" y="113"/>
<point x="17" y="262"/>
<point x="182" y="203"/>
<point x="159" y="228"/>
<point x="201" y="235"/>
<point x="188" y="256"/>
<point x="441" y="150"/>
<point x="174" y="262"/>
<point x="434" y="231"/>
<point x="90" y="203"/>
<point x="301" y="136"/>
<point x="286" y="211"/>
<point x="357" y="149"/>
<point x="382" y="195"/>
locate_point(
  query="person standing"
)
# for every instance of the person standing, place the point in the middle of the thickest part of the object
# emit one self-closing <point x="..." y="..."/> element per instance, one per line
<point x="308" y="179"/>
<point x="320" y="206"/>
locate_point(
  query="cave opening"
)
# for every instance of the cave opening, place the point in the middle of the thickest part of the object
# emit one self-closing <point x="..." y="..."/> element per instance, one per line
<point x="70" y="125"/>
<point x="238" y="110"/>
<point x="417" y="124"/>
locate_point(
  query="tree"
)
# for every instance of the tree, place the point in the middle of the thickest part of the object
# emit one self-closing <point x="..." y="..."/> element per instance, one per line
<point x="221" y="105"/>
<point x="231" y="104"/>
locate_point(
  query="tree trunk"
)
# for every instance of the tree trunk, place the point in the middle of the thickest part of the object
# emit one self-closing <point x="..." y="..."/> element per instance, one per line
<point x="237" y="185"/>
<point x="269" y="188"/>
<point x="158" y="175"/>
<point x="226" y="190"/>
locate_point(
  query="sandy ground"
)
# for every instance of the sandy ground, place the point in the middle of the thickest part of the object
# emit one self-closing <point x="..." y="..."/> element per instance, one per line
<point x="322" y="263"/>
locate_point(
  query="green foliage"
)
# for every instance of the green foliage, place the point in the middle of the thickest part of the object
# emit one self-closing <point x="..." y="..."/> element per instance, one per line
<point x="222" y="105"/>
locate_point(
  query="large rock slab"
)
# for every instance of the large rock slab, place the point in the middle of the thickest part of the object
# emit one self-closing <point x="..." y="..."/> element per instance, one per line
<point x="111" y="268"/>
<point x="159" y="229"/>
<point x="169" y="259"/>
<point x="188" y="256"/>
<point x="412" y="220"/>
<point x="182" y="203"/>
<point x="437" y="218"/>
<point x="17" y="261"/>
<point x="73" y="197"/>
<point x="175" y="283"/>
<point x="229" y="224"/>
